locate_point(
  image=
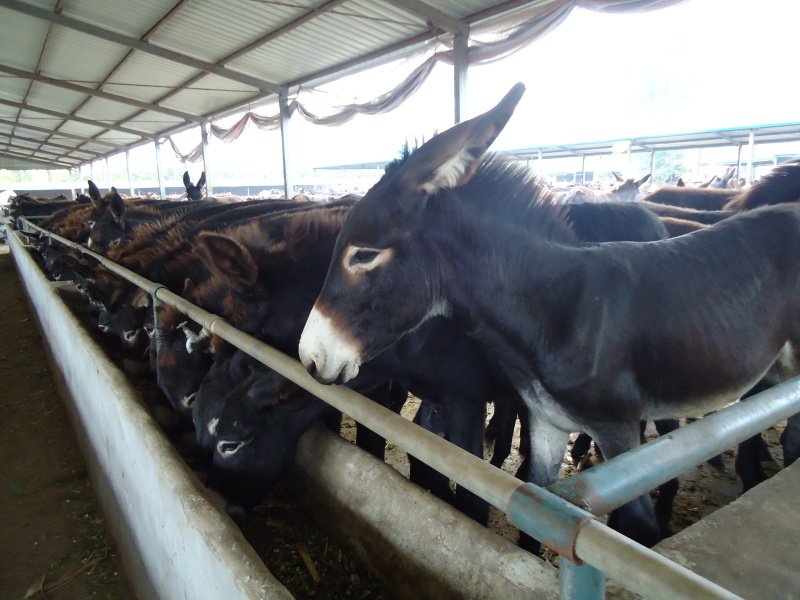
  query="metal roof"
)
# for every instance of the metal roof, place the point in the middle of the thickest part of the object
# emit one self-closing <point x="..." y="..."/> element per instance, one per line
<point x="762" y="134"/>
<point x="739" y="136"/>
<point x="85" y="78"/>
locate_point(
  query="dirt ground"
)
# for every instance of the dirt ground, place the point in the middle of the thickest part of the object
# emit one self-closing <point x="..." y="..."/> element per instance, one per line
<point x="52" y="540"/>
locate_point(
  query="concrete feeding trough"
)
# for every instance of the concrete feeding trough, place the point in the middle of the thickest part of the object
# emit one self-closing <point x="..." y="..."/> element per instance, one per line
<point x="175" y="544"/>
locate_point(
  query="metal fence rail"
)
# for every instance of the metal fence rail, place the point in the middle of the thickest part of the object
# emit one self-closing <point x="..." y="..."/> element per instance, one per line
<point x="593" y="549"/>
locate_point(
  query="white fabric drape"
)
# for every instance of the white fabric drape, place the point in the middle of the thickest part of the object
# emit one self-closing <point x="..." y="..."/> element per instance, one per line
<point x="487" y="44"/>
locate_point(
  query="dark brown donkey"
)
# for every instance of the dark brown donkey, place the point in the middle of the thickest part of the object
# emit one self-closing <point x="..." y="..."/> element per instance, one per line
<point x="595" y="339"/>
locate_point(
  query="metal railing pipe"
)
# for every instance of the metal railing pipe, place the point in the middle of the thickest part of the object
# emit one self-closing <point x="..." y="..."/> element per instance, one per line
<point x="601" y="489"/>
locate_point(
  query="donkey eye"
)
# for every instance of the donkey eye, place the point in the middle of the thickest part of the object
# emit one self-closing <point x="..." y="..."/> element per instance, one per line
<point x="361" y="257"/>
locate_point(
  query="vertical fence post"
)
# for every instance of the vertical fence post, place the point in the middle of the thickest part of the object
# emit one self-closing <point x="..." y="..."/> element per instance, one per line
<point x="160" y="167"/>
<point x="207" y="166"/>
<point x="460" y="69"/>
<point x="288" y="183"/>
<point x="128" y="171"/>
<point x="580" y="582"/>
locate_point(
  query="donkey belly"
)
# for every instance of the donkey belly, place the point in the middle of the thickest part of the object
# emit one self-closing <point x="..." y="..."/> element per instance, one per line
<point x="697" y="404"/>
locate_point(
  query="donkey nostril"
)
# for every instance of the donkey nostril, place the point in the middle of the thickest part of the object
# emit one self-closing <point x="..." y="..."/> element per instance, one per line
<point x="228" y="448"/>
<point x="188" y="401"/>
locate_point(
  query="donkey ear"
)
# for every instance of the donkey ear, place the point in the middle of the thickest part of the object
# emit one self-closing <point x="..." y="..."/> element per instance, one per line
<point x="229" y="259"/>
<point x="643" y="180"/>
<point x="617" y="176"/>
<point x="94" y="192"/>
<point x="141" y="299"/>
<point x="188" y="289"/>
<point x="117" y="205"/>
<point x="186" y="181"/>
<point x="202" y="181"/>
<point x="451" y="158"/>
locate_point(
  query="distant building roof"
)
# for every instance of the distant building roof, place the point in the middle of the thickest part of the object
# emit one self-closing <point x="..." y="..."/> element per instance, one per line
<point x="763" y="134"/>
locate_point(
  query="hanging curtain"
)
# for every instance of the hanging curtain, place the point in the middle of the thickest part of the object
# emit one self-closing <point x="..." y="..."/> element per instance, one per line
<point x="521" y="28"/>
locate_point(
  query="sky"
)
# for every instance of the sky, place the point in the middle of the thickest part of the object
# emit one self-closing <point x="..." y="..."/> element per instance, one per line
<point x="703" y="64"/>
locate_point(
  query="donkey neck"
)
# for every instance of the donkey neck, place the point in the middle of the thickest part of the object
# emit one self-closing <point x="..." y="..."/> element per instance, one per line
<point x="512" y="289"/>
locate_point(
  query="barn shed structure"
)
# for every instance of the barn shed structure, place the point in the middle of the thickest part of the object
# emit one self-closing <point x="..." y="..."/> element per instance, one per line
<point x="83" y="80"/>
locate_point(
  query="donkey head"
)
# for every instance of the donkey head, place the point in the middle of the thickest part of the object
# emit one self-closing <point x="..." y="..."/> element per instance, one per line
<point x="194" y="192"/>
<point x="382" y="281"/>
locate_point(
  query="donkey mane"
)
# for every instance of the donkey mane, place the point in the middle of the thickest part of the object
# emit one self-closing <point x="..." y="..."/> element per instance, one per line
<point x="781" y="185"/>
<point x="297" y="234"/>
<point x="151" y="241"/>
<point x="504" y="189"/>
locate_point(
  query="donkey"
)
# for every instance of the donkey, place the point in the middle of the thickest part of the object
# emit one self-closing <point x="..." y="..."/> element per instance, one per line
<point x="194" y="192"/>
<point x="595" y="339"/>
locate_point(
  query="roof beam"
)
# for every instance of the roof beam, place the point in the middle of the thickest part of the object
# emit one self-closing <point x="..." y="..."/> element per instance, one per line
<point x="143" y="46"/>
<point x="326" y="7"/>
<point x="10" y="145"/>
<point x="62" y="134"/>
<point x="148" y="34"/>
<point x="434" y="17"/>
<point x="60" y="115"/>
<point x="15" y="136"/>
<point x="728" y="138"/>
<point x="26" y="157"/>
<point x="99" y="93"/>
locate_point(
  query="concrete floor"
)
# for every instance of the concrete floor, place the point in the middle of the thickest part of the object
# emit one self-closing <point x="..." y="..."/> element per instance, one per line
<point x="750" y="547"/>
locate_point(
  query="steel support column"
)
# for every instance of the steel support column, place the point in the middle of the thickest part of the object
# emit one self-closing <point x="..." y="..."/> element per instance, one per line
<point x="160" y="167"/>
<point x="751" y="144"/>
<point x="108" y="173"/>
<point x="207" y="167"/>
<point x="460" y="69"/>
<point x="286" y="142"/>
<point x="541" y="166"/>
<point x="580" y="582"/>
<point x="128" y="171"/>
<point x="652" y="165"/>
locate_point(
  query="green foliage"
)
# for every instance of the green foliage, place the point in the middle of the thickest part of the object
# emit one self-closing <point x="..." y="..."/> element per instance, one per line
<point x="665" y="164"/>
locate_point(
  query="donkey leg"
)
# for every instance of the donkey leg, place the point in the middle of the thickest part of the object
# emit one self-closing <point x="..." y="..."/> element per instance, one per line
<point x="506" y="406"/>
<point x="392" y="396"/>
<point x="636" y="519"/>
<point x="749" y="453"/>
<point x="790" y="439"/>
<point x="465" y="420"/>
<point x="429" y="417"/>
<point x="668" y="490"/>
<point x="548" y="445"/>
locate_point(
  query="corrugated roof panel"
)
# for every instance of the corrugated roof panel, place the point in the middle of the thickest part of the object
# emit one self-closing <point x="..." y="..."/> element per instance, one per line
<point x="106" y="111"/>
<point x="463" y="8"/>
<point x="38" y="120"/>
<point x="13" y="88"/>
<point x="209" y="94"/>
<point x="119" y="138"/>
<point x="96" y="148"/>
<point x="54" y="98"/>
<point x="146" y="77"/>
<point x="81" y="129"/>
<point x="78" y="57"/>
<point x="213" y="29"/>
<point x="318" y="45"/>
<point x="152" y="122"/>
<point x="24" y="144"/>
<point x="23" y="38"/>
<point x="133" y="19"/>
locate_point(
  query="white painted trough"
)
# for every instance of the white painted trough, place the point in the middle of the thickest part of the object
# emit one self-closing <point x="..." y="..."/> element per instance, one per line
<point x="176" y="545"/>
